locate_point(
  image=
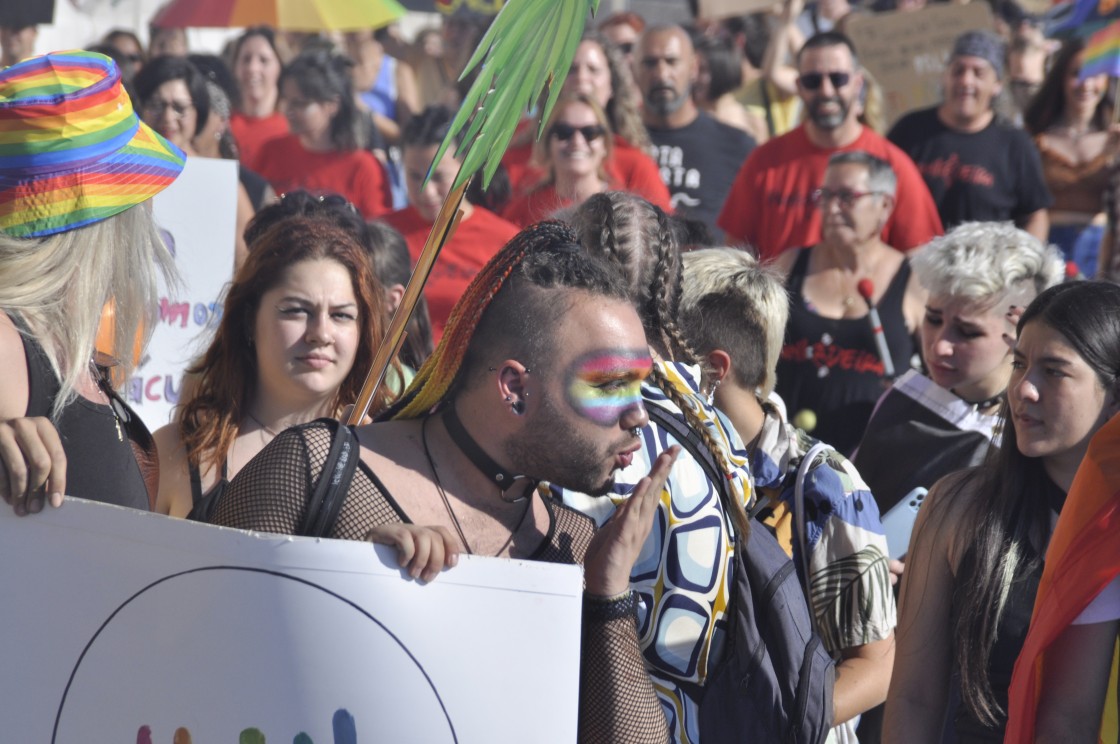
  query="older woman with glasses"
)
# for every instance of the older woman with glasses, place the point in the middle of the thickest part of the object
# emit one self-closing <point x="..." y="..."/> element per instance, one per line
<point x="173" y="100"/>
<point x="854" y="305"/>
<point x="576" y="145"/>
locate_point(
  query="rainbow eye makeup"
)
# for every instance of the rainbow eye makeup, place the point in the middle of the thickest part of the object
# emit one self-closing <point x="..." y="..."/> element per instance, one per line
<point x="602" y="386"/>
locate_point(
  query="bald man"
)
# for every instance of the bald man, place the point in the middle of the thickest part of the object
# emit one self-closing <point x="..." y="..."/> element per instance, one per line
<point x="698" y="156"/>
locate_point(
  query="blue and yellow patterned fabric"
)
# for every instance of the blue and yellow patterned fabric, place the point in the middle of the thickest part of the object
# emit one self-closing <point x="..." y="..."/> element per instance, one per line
<point x="683" y="575"/>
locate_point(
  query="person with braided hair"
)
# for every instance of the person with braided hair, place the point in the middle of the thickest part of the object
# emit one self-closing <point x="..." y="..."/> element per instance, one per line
<point x="536" y="379"/>
<point x="324" y="152"/>
<point x="683" y="598"/>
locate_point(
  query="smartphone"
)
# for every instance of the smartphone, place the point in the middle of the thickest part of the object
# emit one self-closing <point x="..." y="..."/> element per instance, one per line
<point x="898" y="523"/>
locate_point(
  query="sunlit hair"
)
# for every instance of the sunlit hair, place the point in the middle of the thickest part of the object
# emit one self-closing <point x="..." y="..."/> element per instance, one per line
<point x="731" y="303"/>
<point x="623" y="107"/>
<point x="985" y="262"/>
<point x="541" y="148"/>
<point x="510" y="310"/>
<point x="880" y="175"/>
<point x="1010" y="513"/>
<point x="638" y="237"/>
<point x="227" y="374"/>
<point x="59" y="285"/>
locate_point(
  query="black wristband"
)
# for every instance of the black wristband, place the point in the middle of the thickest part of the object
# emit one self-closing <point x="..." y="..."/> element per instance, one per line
<point x="605" y="609"/>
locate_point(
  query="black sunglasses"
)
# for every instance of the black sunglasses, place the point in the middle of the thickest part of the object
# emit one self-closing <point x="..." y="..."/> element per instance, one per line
<point x="565" y="132"/>
<point x="813" y="80"/>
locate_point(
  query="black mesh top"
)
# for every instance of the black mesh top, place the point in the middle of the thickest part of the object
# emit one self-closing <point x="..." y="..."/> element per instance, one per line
<point x="270" y="494"/>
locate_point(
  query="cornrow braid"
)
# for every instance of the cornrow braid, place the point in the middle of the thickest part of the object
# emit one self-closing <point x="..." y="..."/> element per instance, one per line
<point x="687" y="405"/>
<point x="544" y="256"/>
<point x="438" y="374"/>
<point x="669" y="278"/>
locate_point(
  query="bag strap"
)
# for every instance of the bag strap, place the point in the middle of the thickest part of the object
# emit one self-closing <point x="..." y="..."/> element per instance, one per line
<point x="694" y="443"/>
<point x="799" y="516"/>
<point x="334" y="483"/>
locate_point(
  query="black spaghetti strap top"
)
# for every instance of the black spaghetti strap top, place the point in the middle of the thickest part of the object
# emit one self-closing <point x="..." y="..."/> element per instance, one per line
<point x="100" y="464"/>
<point x="202" y="504"/>
<point x="831" y="366"/>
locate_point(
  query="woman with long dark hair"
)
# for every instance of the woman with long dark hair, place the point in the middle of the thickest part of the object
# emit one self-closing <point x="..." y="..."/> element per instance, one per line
<point x="324" y="152"/>
<point x="256" y="66"/>
<point x="1070" y="119"/>
<point x="975" y="557"/>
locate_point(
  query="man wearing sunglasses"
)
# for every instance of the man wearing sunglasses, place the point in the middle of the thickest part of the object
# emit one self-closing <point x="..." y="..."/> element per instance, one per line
<point x="698" y="155"/>
<point x="770" y="206"/>
<point x="977" y="167"/>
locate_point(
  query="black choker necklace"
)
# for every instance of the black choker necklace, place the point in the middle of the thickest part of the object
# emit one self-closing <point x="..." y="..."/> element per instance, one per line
<point x="501" y="477"/>
<point x="981" y="405"/>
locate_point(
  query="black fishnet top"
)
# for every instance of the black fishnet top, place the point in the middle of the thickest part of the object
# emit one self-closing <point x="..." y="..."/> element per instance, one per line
<point x="617" y="701"/>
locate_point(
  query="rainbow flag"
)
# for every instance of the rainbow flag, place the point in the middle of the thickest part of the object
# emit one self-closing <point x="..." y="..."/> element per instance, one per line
<point x="1102" y="53"/>
<point x="1081" y="560"/>
<point x="1081" y="16"/>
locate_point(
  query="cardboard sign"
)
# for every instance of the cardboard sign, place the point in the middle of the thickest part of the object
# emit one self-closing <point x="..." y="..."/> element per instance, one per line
<point x="906" y="51"/>
<point x="197" y="215"/>
<point x="124" y="626"/>
<point x="716" y="9"/>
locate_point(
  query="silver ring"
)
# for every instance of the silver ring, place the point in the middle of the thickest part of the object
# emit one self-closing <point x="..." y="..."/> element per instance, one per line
<point x="636" y="431"/>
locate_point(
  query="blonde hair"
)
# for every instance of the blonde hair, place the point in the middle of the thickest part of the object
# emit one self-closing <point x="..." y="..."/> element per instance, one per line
<point x="731" y="302"/>
<point x="60" y="284"/>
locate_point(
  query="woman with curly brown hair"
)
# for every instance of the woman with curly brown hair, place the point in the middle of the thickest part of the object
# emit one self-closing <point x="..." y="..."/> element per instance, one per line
<point x="297" y="336"/>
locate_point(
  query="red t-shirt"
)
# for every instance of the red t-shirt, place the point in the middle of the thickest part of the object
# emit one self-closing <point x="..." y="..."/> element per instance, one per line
<point x="769" y="204"/>
<point x="633" y="170"/>
<point x="475" y="242"/>
<point x="539" y="204"/>
<point x="355" y="174"/>
<point x="253" y="132"/>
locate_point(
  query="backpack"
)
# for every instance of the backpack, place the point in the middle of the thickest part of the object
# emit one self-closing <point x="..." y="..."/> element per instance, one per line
<point x="774" y="683"/>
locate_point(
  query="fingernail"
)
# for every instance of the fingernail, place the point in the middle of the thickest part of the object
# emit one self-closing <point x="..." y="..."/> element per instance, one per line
<point x="453" y="560"/>
<point x="56" y="499"/>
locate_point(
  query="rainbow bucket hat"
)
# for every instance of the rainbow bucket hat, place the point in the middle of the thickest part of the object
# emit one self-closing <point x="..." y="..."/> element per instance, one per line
<point x="72" y="150"/>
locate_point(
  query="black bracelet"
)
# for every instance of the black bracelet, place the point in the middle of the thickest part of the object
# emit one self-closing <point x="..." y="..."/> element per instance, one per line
<point x="605" y="609"/>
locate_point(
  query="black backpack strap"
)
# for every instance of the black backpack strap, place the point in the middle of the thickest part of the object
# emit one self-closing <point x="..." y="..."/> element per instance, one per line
<point x="694" y="443"/>
<point x="333" y="485"/>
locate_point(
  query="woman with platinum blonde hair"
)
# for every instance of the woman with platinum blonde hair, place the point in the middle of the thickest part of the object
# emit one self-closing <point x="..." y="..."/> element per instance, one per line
<point x="733" y="313"/>
<point x="76" y="237"/>
<point x="980" y="276"/>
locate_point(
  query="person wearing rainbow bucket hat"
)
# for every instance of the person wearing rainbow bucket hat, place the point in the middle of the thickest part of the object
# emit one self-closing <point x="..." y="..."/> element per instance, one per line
<point x="76" y="169"/>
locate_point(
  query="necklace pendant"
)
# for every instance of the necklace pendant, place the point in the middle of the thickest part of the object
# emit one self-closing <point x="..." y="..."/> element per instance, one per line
<point x="117" y="422"/>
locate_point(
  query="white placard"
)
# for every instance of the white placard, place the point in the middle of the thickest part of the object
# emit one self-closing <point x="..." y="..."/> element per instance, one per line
<point x="121" y="625"/>
<point x="199" y="213"/>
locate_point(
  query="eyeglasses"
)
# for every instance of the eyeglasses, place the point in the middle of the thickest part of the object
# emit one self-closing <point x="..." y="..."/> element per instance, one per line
<point x="565" y="132"/>
<point x="846" y="197"/>
<point x="156" y="108"/>
<point x="813" y="80"/>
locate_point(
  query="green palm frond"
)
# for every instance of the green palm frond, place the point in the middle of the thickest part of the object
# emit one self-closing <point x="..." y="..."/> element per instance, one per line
<point x="528" y="48"/>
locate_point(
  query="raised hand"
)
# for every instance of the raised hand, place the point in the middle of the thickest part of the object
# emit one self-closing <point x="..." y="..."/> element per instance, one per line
<point x="617" y="544"/>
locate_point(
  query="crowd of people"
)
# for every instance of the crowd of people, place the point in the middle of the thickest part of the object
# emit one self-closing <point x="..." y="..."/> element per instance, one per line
<point x="718" y="305"/>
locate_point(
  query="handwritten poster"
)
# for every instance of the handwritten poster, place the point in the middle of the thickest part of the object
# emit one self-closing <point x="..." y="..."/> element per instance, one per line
<point x="123" y="626"/>
<point x="197" y="215"/>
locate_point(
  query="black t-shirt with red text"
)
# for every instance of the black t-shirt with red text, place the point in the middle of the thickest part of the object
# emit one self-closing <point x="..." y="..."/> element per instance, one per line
<point x="991" y="175"/>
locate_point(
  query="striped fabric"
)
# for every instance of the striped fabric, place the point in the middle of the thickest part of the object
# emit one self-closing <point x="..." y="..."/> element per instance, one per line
<point x="72" y="151"/>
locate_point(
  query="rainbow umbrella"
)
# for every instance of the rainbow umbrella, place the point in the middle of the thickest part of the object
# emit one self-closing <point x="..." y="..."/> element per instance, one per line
<point x="292" y="15"/>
